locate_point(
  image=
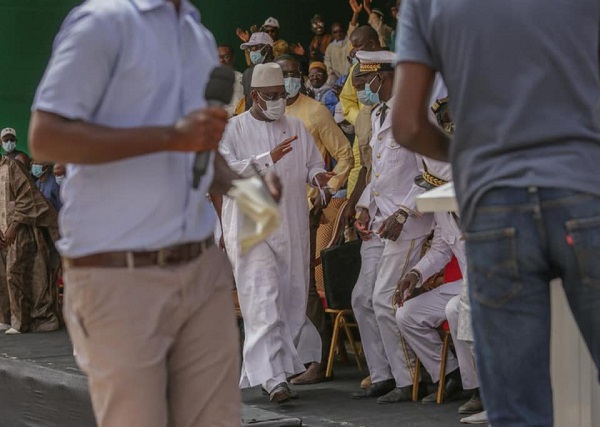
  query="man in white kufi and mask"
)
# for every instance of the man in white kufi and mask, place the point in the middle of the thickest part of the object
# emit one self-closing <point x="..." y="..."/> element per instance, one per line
<point x="272" y="277"/>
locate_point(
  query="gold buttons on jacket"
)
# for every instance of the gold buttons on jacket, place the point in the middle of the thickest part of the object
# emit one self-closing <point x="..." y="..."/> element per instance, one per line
<point x="377" y="175"/>
<point x="376" y="193"/>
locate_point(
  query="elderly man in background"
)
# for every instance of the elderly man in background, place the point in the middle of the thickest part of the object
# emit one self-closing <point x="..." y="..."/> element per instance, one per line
<point x="331" y="142"/>
<point x="9" y="146"/>
<point x="272" y="277"/>
<point x="323" y="92"/>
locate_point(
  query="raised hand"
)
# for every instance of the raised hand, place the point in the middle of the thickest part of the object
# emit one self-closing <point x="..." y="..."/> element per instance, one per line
<point x="243" y="35"/>
<point x="283" y="149"/>
<point x="356" y="8"/>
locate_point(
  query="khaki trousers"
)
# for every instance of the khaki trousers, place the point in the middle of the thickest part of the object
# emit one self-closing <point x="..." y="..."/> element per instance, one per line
<point x="159" y="345"/>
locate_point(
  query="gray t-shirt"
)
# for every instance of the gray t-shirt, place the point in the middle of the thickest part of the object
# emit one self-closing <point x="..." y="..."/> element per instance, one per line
<point x="524" y="89"/>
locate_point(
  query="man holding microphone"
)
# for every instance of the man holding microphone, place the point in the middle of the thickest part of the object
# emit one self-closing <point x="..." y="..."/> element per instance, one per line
<point x="121" y="103"/>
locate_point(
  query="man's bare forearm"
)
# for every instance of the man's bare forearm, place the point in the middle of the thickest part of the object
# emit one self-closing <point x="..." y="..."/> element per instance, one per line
<point x="429" y="141"/>
<point x="53" y="138"/>
<point x="223" y="178"/>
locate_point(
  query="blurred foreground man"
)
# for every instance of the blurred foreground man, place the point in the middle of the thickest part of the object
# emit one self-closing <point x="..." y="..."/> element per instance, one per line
<point x="145" y="285"/>
<point x="525" y="156"/>
<point x="272" y="277"/>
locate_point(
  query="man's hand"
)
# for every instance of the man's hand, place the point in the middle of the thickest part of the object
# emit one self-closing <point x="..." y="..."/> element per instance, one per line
<point x="321" y="179"/>
<point x="243" y="35"/>
<point x="11" y="234"/>
<point x="348" y="214"/>
<point x="390" y="229"/>
<point x="282" y="149"/>
<point x="356" y="8"/>
<point x="405" y="289"/>
<point x="274" y="185"/>
<point x="200" y="130"/>
<point x="367" y="5"/>
<point x="361" y="224"/>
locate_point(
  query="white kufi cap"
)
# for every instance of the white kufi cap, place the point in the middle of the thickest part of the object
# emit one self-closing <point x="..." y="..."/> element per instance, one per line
<point x="266" y="75"/>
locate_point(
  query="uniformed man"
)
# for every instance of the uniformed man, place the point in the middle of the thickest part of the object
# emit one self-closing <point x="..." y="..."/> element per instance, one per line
<point x="393" y="233"/>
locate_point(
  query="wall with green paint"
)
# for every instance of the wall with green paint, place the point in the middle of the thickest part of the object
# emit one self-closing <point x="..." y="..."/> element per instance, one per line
<point x="29" y="27"/>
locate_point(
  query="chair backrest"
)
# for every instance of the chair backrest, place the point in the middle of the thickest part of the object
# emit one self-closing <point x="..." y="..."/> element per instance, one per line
<point x="341" y="267"/>
<point x="327" y="235"/>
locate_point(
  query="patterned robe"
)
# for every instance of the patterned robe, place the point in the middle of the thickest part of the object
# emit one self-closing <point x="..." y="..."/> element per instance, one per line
<point x="29" y="280"/>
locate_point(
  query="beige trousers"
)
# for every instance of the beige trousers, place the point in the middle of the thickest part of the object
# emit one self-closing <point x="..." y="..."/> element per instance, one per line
<point x="159" y="345"/>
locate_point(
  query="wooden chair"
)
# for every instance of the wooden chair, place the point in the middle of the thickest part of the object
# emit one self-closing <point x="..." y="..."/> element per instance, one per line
<point x="327" y="236"/>
<point x="444" y="330"/>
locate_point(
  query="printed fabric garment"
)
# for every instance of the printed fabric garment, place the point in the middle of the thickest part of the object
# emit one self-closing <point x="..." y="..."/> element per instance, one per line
<point x="32" y="262"/>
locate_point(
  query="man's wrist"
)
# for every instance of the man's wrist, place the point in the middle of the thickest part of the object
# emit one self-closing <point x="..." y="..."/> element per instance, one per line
<point x="401" y="216"/>
<point x="417" y="274"/>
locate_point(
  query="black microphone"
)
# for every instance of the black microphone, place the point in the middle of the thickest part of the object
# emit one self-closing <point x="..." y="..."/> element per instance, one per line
<point x="218" y="93"/>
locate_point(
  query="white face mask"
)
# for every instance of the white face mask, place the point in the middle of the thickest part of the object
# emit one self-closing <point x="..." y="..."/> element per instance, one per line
<point x="60" y="179"/>
<point x="9" y="146"/>
<point x="275" y="109"/>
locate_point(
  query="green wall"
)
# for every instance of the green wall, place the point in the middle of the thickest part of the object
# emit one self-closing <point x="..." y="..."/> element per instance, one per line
<point x="29" y="26"/>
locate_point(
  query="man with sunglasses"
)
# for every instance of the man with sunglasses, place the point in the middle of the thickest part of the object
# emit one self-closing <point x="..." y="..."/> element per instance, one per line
<point x="393" y="233"/>
<point x="272" y="277"/>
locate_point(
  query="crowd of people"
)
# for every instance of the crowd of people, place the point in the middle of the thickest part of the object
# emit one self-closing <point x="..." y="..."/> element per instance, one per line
<point x="341" y="118"/>
<point x="327" y="108"/>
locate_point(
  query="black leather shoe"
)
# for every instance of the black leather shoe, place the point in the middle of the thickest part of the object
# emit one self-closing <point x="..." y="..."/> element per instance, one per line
<point x="452" y="389"/>
<point x="377" y="389"/>
<point x="473" y="406"/>
<point x="399" y="394"/>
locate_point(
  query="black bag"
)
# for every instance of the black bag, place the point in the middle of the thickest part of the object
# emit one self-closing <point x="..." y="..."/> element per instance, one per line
<point x="341" y="266"/>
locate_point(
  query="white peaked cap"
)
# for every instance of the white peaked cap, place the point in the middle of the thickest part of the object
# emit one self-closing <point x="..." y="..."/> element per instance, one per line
<point x="376" y="57"/>
<point x="266" y="75"/>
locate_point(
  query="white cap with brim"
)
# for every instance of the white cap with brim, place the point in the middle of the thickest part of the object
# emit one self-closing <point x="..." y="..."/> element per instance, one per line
<point x="256" y="39"/>
<point x="8" y="131"/>
<point x="267" y="75"/>
<point x="271" y="22"/>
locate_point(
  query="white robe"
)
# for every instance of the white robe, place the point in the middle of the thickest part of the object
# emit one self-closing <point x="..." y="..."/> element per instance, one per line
<point x="272" y="278"/>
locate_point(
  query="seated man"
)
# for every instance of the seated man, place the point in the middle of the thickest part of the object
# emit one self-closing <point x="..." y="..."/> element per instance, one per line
<point x="419" y="317"/>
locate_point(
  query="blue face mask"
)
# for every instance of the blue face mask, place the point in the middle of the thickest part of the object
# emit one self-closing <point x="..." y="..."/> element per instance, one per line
<point x="292" y="85"/>
<point x="37" y="170"/>
<point x="367" y="96"/>
<point x="257" y="57"/>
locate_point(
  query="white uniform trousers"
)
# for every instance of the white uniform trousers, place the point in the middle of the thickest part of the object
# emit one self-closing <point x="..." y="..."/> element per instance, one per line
<point x="418" y="320"/>
<point x="464" y="350"/>
<point x="383" y="264"/>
